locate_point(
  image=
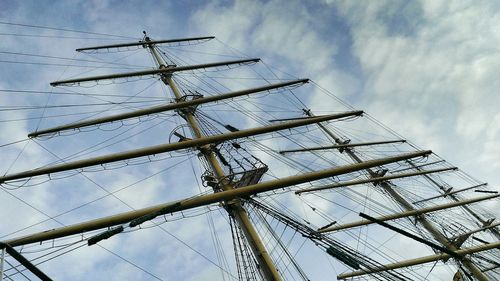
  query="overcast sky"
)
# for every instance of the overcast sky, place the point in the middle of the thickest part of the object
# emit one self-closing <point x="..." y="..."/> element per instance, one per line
<point x="427" y="69"/>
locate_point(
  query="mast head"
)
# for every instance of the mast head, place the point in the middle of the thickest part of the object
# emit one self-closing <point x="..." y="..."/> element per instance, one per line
<point x="146" y="37"/>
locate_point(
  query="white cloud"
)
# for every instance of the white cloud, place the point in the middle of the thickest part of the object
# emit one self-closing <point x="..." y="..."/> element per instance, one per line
<point x="441" y="78"/>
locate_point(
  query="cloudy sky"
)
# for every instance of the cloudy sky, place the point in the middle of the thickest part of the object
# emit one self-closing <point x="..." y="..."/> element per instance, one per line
<point x="426" y="69"/>
<point x="430" y="63"/>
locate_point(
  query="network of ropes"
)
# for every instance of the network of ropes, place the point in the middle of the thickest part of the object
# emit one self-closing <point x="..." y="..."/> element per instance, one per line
<point x="290" y="224"/>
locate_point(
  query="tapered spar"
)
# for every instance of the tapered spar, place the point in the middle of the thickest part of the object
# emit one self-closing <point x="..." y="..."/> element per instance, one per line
<point x="166" y="70"/>
<point x="341" y="146"/>
<point x="374" y="180"/>
<point x="421" y="260"/>
<point x="162" y="148"/>
<point x="209" y="199"/>
<point x="411" y="213"/>
<point x="166" y="107"/>
<point x="145" y="43"/>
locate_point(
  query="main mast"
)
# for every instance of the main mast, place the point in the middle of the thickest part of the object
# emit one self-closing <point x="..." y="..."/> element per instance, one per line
<point x="233" y="207"/>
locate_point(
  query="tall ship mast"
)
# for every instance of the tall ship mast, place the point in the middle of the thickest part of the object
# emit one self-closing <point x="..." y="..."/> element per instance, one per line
<point x="274" y="176"/>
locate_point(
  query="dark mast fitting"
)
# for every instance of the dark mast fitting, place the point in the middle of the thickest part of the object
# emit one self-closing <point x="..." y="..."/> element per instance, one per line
<point x="239" y="193"/>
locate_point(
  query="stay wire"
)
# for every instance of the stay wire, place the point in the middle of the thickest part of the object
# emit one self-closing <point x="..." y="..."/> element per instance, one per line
<point x="52" y="218"/>
<point x="95" y="147"/>
<point x="159" y="226"/>
<point x="56" y="36"/>
<point x="130" y="262"/>
<point x="103" y="63"/>
<point x="85" y="176"/>
<point x="115" y="105"/>
<point x="48" y="255"/>
<point x="66" y="58"/>
<point x="14" y="142"/>
<point x="196" y="251"/>
<point x="279" y="243"/>
<point x="329" y="219"/>
<point x="64" y="29"/>
<point x="66" y="65"/>
<point x="267" y="67"/>
<point x="48" y="100"/>
<point x="212" y="227"/>
<point x="17" y="157"/>
<point x="164" y="230"/>
<point x="21" y="107"/>
<point x="18" y="271"/>
<point x="75" y="93"/>
<point x="89" y="202"/>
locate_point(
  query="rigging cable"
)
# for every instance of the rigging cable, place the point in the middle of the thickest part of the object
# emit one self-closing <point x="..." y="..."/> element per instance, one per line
<point x="160" y="227"/>
<point x="56" y="36"/>
<point x="105" y="62"/>
<point x="279" y="243"/>
<point x="70" y="59"/>
<point x="65" y="65"/>
<point x="22" y="107"/>
<point x="64" y="29"/>
<point x="217" y="245"/>
<point x="17" y="157"/>
<point x="89" y="202"/>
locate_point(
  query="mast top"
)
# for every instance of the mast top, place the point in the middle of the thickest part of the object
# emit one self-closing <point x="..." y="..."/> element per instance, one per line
<point x="145" y="43"/>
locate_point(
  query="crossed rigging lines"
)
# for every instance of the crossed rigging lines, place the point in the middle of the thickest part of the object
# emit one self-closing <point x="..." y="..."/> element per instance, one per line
<point x="53" y="218"/>
<point x="25" y="108"/>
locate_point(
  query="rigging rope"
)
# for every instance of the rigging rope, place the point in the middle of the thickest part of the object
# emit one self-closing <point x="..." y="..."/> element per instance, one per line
<point x="63" y="29"/>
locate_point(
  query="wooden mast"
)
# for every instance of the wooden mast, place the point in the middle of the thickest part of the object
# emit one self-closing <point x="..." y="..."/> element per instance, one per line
<point x="430" y="227"/>
<point x="235" y="208"/>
